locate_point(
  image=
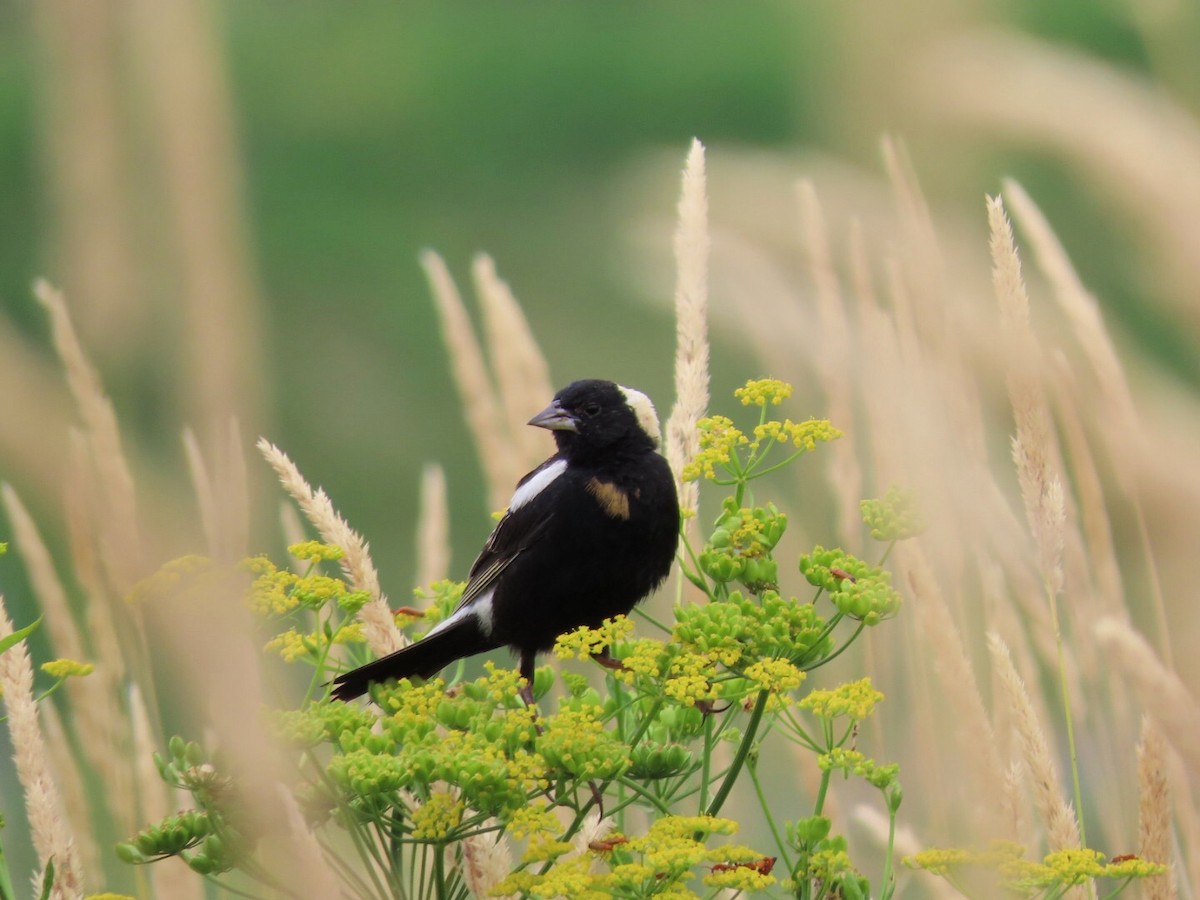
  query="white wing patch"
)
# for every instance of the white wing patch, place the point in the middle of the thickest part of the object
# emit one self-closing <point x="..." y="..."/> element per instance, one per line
<point x="481" y="609"/>
<point x="536" y="484"/>
<point x="644" y="410"/>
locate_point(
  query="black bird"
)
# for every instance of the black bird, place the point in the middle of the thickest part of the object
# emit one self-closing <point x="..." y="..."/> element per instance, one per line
<point x="587" y="535"/>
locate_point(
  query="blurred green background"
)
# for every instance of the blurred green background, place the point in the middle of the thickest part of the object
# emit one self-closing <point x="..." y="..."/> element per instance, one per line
<point x="363" y="133"/>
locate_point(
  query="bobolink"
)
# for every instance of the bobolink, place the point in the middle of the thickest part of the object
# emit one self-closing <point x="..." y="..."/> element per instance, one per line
<point x="587" y="535"/>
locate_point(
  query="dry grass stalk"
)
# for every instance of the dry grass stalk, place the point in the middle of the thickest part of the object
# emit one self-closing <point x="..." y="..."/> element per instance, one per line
<point x="1121" y="424"/>
<point x="60" y="620"/>
<point x="1013" y="806"/>
<point x="202" y="487"/>
<point x="379" y="627"/>
<point x="691" y="324"/>
<point x="121" y="537"/>
<point x="69" y="774"/>
<point x="486" y="861"/>
<point x="82" y="502"/>
<point x="1164" y="696"/>
<point x="1105" y="121"/>
<point x="189" y="120"/>
<point x="521" y="372"/>
<point x="433" y="526"/>
<point x="1094" y="520"/>
<point x="480" y="406"/>
<point x="952" y="667"/>
<point x="313" y="871"/>
<point x="1033" y="443"/>
<point x="1062" y="827"/>
<point x="43" y="803"/>
<point x="223" y="501"/>
<point x="833" y="360"/>
<point x="97" y="715"/>
<point x="1154" y="811"/>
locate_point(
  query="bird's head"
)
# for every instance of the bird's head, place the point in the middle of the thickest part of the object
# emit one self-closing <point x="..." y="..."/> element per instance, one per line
<point x="598" y="416"/>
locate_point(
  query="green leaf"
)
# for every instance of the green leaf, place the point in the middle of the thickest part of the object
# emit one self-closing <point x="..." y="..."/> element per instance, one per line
<point x="6" y="887"/>
<point x="48" y="880"/>
<point x="16" y="636"/>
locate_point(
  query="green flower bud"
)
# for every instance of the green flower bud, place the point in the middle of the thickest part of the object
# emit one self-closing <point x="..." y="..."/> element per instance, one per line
<point x="128" y="853"/>
<point x="652" y="761"/>
<point x="807" y="832"/>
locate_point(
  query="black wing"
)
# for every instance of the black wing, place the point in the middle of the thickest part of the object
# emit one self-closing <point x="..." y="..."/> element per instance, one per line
<point x="516" y="531"/>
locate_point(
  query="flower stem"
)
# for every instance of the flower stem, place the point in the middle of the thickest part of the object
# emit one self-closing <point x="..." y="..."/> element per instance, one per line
<point x="743" y="751"/>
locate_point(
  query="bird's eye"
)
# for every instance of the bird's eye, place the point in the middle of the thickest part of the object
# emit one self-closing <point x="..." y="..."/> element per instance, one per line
<point x="591" y="410"/>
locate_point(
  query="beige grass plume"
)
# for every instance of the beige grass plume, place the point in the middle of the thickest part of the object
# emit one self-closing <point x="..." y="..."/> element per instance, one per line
<point x="379" y="628"/>
<point x="122" y="540"/>
<point x="1033" y="443"/>
<point x="522" y="375"/>
<point x="43" y="803"/>
<point x="433" y="526"/>
<point x="480" y="405"/>
<point x="1062" y="828"/>
<point x="1154" y="811"/>
<point x="691" y="324"/>
<point x="1174" y="710"/>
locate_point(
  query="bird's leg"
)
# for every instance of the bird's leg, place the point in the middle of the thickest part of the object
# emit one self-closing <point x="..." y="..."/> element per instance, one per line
<point x="526" y="670"/>
<point x="605" y="658"/>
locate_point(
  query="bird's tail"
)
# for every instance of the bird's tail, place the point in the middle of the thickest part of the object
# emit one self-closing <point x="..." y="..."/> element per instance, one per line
<point x="423" y="659"/>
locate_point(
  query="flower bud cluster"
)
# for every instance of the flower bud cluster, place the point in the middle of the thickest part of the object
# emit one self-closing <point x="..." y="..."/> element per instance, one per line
<point x="893" y="517"/>
<point x="858" y="589"/>
<point x="741" y="544"/>
<point x="740" y="631"/>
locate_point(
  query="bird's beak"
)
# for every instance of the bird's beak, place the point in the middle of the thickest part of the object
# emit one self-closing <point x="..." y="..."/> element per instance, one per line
<point x="554" y="418"/>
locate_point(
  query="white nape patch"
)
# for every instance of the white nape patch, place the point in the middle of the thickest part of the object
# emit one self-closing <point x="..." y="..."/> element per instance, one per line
<point x="644" y="410"/>
<point x="481" y="609"/>
<point x="535" y="485"/>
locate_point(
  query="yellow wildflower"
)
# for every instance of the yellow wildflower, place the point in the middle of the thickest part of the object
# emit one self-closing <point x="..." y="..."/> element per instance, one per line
<point x="315" y="551"/>
<point x="437" y="818"/>
<point x="67" y="668"/>
<point x="855" y="699"/>
<point x="763" y="391"/>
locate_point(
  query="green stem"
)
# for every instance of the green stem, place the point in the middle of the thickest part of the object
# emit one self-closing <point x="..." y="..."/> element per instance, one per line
<point x="821" y="792"/>
<point x="762" y="801"/>
<point x="1066" y="699"/>
<point x="706" y="763"/>
<point x="439" y="871"/>
<point x="743" y="751"/>
<point x="889" y="880"/>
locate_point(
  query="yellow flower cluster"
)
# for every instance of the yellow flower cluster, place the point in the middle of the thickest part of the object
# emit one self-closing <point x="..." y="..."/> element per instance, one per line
<point x="438" y="817"/>
<point x="763" y="391"/>
<point x="802" y="435"/>
<point x="718" y="440"/>
<point x="315" y="551"/>
<point x="291" y="645"/>
<point x="854" y="699"/>
<point x="67" y="668"/>
<point x="690" y="678"/>
<point x="179" y="578"/>
<point x="854" y="762"/>
<point x="533" y="819"/>
<point x="584" y="642"/>
<point x="1057" y="870"/>
<point x="775" y="675"/>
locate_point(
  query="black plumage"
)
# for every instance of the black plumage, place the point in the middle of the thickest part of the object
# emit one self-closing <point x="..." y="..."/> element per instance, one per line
<point x="588" y="534"/>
